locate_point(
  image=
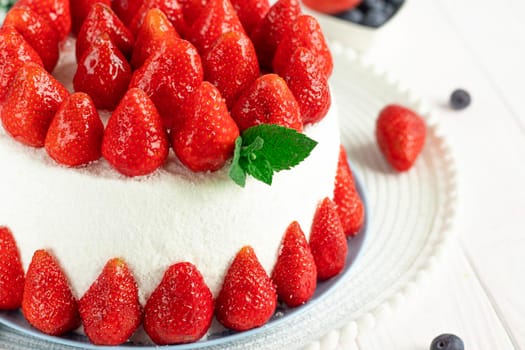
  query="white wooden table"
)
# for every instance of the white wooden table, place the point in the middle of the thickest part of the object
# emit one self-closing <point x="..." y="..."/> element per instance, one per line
<point x="478" y="290"/>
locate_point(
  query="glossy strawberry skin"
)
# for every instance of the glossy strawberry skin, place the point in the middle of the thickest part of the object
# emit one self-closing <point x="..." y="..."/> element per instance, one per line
<point x="295" y="273"/>
<point x="48" y="303"/>
<point x="126" y="9"/>
<point x="102" y="20"/>
<point x="110" y="309"/>
<point x="267" y="101"/>
<point x="135" y="142"/>
<point x="331" y="6"/>
<point x="217" y="18"/>
<point x="37" y="32"/>
<point x="169" y="77"/>
<point x="328" y="241"/>
<point x="251" y="12"/>
<point x="103" y="73"/>
<point x="171" y="8"/>
<point x="180" y="310"/>
<point x="206" y="139"/>
<point x="75" y="135"/>
<point x="272" y="28"/>
<point x="305" y="32"/>
<point x="56" y="12"/>
<point x="248" y="297"/>
<point x="12" y="275"/>
<point x="14" y="53"/>
<point x="308" y="85"/>
<point x="400" y="134"/>
<point x="80" y="10"/>
<point x="349" y="204"/>
<point x="32" y="102"/>
<point x="231" y="65"/>
<point x="192" y="9"/>
<point x="156" y="34"/>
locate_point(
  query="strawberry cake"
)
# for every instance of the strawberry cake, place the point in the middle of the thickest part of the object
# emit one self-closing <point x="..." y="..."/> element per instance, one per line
<point x="181" y="161"/>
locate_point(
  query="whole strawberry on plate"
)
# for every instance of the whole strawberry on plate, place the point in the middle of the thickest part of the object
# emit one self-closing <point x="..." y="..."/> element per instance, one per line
<point x="12" y="276"/>
<point x="400" y="134"/>
<point x="180" y="309"/>
<point x="48" y="303"/>
<point x="110" y="309"/>
<point x="248" y="297"/>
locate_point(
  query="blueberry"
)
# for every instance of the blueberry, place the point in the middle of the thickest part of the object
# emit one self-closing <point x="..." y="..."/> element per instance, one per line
<point x="389" y="10"/>
<point x="447" y="342"/>
<point x="460" y="99"/>
<point x="372" y="4"/>
<point x="396" y="3"/>
<point x="374" y="18"/>
<point x="354" y="15"/>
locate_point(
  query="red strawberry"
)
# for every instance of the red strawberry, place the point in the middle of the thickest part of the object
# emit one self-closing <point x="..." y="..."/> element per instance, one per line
<point x="80" y="10"/>
<point x="110" y="309"/>
<point x="400" y="134"/>
<point x="349" y="204"/>
<point x="11" y="272"/>
<point x="135" y="142"/>
<point x="171" y="9"/>
<point x="75" y="135"/>
<point x="271" y="30"/>
<point x="103" y="73"/>
<point x="126" y="9"/>
<point x="231" y="65"/>
<point x="305" y="32"/>
<point x="295" y="273"/>
<point x="169" y="77"/>
<point x="248" y="298"/>
<point x="308" y="85"/>
<point x="328" y="241"/>
<point x="217" y="18"/>
<point x="37" y="32"/>
<point x="180" y="310"/>
<point x="48" y="303"/>
<point x="267" y="101"/>
<point x="102" y="20"/>
<point x="331" y="6"/>
<point x="251" y="12"/>
<point x="32" y="102"/>
<point x="155" y="34"/>
<point x="56" y="12"/>
<point x="206" y="139"/>
<point x="192" y="10"/>
<point x="14" y="53"/>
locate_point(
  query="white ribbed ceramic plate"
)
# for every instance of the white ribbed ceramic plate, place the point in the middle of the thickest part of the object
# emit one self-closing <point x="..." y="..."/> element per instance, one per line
<point x="411" y="216"/>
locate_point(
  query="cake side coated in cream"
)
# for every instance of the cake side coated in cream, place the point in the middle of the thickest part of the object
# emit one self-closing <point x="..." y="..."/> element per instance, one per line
<point x="87" y="216"/>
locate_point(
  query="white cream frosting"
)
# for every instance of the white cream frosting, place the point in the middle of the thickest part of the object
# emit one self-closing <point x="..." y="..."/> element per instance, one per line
<point x="87" y="216"/>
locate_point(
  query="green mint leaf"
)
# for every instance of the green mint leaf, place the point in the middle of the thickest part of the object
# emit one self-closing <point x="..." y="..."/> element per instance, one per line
<point x="252" y="147"/>
<point x="284" y="148"/>
<point x="237" y="172"/>
<point x="261" y="169"/>
<point x="265" y="149"/>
